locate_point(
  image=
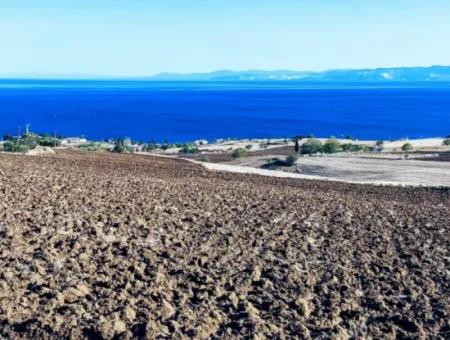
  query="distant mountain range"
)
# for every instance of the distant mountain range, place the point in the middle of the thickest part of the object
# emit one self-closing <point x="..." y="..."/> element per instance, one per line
<point x="401" y="74"/>
<point x="388" y="74"/>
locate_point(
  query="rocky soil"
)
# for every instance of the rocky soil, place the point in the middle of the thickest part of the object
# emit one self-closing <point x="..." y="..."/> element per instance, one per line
<point x="121" y="246"/>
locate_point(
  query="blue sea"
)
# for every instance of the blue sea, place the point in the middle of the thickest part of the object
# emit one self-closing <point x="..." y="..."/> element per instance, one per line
<point x="185" y="111"/>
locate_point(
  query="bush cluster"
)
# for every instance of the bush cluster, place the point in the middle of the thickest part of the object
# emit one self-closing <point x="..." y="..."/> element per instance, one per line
<point x="153" y="146"/>
<point x="311" y="146"/>
<point x="348" y="147"/>
<point x="290" y="160"/>
<point x="239" y="153"/>
<point x="14" y="146"/>
<point x="28" y="142"/>
<point x="332" y="145"/>
<point x="120" y="146"/>
<point x="189" y="148"/>
<point x="91" y="146"/>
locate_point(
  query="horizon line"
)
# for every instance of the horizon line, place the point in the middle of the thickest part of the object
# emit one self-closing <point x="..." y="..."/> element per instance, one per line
<point x="76" y="76"/>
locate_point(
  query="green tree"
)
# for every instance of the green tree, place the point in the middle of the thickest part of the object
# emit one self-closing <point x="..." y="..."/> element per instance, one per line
<point x="446" y="142"/>
<point x="407" y="147"/>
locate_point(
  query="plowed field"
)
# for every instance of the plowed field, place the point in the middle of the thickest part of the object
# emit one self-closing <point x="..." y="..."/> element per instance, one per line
<point x="103" y="245"/>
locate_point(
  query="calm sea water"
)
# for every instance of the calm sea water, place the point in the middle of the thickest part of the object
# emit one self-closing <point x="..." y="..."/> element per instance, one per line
<point x="185" y="111"/>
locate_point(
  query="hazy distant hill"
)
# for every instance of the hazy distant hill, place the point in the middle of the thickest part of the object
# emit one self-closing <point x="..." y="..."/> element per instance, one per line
<point x="433" y="73"/>
<point x="406" y="74"/>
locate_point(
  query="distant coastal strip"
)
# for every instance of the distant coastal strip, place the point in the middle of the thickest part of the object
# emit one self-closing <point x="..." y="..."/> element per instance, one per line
<point x="423" y="162"/>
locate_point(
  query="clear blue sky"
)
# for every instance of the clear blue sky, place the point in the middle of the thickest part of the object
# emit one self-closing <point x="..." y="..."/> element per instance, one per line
<point x="142" y="37"/>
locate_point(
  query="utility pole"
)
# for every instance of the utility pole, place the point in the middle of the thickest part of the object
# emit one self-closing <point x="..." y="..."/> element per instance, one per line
<point x="19" y="131"/>
<point x="27" y="126"/>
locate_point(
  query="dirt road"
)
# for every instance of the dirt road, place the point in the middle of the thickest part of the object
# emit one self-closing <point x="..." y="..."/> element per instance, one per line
<point x="352" y="169"/>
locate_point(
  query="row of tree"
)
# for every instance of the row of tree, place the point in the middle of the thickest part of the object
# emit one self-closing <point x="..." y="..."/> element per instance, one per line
<point x="28" y="141"/>
<point x="332" y="145"/>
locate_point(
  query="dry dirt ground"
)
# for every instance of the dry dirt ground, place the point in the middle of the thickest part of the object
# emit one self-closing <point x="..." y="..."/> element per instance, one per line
<point x="359" y="169"/>
<point x="119" y="246"/>
<point x="410" y="172"/>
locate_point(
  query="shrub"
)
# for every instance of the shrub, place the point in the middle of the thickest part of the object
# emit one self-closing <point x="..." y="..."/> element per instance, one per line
<point x="290" y="160"/>
<point x="446" y="142"/>
<point x="22" y="144"/>
<point x="311" y="146"/>
<point x="121" y="147"/>
<point x="331" y="146"/>
<point x="29" y="140"/>
<point x="189" y="148"/>
<point x="407" y="147"/>
<point x="15" y="146"/>
<point x="92" y="146"/>
<point x="379" y="143"/>
<point x="32" y="140"/>
<point x="352" y="147"/>
<point x="152" y="146"/>
<point x="273" y="163"/>
<point x="239" y="153"/>
<point x="48" y="141"/>
<point x="248" y="146"/>
<point x="204" y="159"/>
